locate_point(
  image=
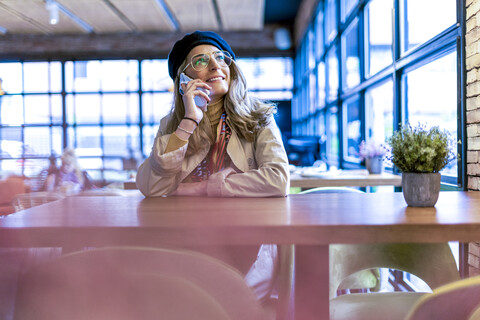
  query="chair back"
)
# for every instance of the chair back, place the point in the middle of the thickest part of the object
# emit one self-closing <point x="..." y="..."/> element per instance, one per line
<point x="457" y="300"/>
<point x="9" y="188"/>
<point x="24" y="201"/>
<point x="368" y="278"/>
<point x="331" y="190"/>
<point x="135" y="283"/>
<point x="432" y="262"/>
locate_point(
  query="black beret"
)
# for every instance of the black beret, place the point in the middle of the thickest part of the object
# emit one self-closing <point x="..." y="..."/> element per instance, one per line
<point x="182" y="47"/>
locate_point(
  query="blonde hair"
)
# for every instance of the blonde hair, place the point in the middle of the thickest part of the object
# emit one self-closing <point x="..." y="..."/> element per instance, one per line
<point x="246" y="113"/>
<point x="69" y="157"/>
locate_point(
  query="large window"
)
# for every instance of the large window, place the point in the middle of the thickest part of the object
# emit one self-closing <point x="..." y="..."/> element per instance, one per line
<point x="379" y="34"/>
<point x="378" y="65"/>
<point x="107" y="110"/>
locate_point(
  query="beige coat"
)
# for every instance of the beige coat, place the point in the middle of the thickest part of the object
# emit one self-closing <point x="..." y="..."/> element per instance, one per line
<point x="261" y="167"/>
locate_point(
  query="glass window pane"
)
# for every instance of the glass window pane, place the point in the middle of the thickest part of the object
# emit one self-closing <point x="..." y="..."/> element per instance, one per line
<point x="332" y="69"/>
<point x="312" y="92"/>
<point x="333" y="145"/>
<point x="10" y="167"/>
<point x="35" y="168"/>
<point x="11" y="142"/>
<point x="57" y="140"/>
<point x="310" y="49"/>
<point x="37" y="109"/>
<point x="120" y="140"/>
<point x="330" y="20"/>
<point x="379" y="111"/>
<point x="120" y="108"/>
<point x="55" y="76"/>
<point x="93" y="168"/>
<point x="414" y="27"/>
<point x="431" y="92"/>
<point x="321" y="129"/>
<point x="112" y="164"/>
<point x="379" y="48"/>
<point x="38" y="141"/>
<point x="85" y="141"/>
<point x="311" y="126"/>
<point x="321" y="84"/>
<point x="347" y="7"/>
<point x="272" y="95"/>
<point x="119" y="75"/>
<point x="155" y="75"/>
<point x="35" y="76"/>
<point x="11" y="75"/>
<point x="56" y="108"/>
<point x="83" y="108"/>
<point x="319" y="34"/>
<point x="91" y="164"/>
<point x="149" y="133"/>
<point x="350" y="56"/>
<point x="155" y="106"/>
<point x="82" y="76"/>
<point x="298" y="73"/>
<point x="11" y="110"/>
<point x="41" y="76"/>
<point x="351" y="128"/>
<point x="304" y="92"/>
<point x="267" y="73"/>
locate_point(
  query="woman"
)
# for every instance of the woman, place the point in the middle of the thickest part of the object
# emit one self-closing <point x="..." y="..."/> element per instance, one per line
<point x="229" y="148"/>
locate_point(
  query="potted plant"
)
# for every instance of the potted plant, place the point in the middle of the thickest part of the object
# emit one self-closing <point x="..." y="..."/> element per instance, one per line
<point x="420" y="153"/>
<point x="372" y="152"/>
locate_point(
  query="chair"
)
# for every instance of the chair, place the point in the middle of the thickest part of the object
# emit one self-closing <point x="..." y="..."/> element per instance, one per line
<point x="303" y="151"/>
<point x="434" y="263"/>
<point x="331" y="190"/>
<point x="24" y="201"/>
<point x="9" y="188"/>
<point x="364" y="279"/>
<point x="350" y="264"/>
<point x="456" y="300"/>
<point x="135" y="283"/>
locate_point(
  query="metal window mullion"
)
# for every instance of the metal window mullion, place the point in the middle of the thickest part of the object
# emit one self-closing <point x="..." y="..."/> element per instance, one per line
<point x="140" y="108"/>
<point x="64" y="107"/>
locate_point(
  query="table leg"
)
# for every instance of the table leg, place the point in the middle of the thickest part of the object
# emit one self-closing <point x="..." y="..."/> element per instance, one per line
<point x="311" y="282"/>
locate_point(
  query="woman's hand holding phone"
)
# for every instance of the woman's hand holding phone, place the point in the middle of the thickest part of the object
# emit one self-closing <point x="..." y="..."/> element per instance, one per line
<point x="195" y="96"/>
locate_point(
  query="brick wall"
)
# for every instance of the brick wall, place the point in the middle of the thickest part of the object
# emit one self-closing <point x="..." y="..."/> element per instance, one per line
<point x="472" y="49"/>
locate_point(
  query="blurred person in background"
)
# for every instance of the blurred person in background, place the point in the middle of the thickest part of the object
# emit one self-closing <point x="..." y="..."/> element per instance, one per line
<point x="39" y="183"/>
<point x="69" y="178"/>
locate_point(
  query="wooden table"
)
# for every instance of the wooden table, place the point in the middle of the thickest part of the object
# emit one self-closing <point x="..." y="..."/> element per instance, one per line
<point x="312" y="222"/>
<point x="345" y="178"/>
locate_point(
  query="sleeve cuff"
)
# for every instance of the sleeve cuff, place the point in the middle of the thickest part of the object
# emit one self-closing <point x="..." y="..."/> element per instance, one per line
<point x="174" y="143"/>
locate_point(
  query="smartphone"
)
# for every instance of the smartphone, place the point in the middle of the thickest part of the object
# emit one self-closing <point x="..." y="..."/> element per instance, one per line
<point x="199" y="101"/>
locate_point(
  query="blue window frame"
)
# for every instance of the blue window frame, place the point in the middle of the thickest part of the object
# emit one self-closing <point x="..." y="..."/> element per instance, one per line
<point x="103" y="109"/>
<point x="379" y="58"/>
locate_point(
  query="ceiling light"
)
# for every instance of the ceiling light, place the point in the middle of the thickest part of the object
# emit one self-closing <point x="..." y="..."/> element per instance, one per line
<point x="282" y="39"/>
<point x="52" y="7"/>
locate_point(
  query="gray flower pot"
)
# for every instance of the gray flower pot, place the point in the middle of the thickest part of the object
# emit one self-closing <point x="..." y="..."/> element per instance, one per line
<point x="374" y="165"/>
<point x="421" y="189"/>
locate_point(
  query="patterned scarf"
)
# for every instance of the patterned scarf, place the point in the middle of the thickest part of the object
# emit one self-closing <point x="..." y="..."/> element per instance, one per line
<point x="215" y="159"/>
